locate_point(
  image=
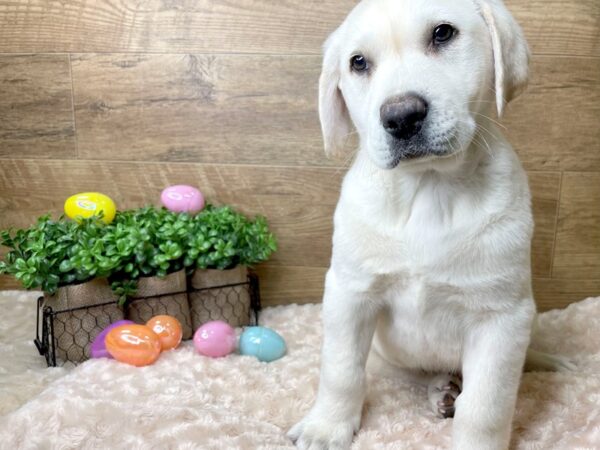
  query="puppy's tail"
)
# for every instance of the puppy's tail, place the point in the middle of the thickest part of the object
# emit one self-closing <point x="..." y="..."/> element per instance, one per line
<point x="537" y="361"/>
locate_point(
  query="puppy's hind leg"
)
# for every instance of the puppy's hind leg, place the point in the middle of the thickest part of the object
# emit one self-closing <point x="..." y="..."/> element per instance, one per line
<point x="492" y="363"/>
<point x="442" y="391"/>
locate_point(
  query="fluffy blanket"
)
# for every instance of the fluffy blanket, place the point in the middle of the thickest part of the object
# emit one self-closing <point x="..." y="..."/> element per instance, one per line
<point x="186" y="401"/>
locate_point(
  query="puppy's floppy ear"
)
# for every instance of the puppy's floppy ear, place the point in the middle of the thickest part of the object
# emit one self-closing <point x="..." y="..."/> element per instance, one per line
<point x="335" y="120"/>
<point x="511" y="53"/>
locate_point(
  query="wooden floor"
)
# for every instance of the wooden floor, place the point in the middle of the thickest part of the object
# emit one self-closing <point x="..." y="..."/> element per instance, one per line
<point x="128" y="97"/>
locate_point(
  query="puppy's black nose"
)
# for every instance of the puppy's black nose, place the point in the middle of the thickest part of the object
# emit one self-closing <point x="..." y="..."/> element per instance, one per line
<point x="403" y="116"/>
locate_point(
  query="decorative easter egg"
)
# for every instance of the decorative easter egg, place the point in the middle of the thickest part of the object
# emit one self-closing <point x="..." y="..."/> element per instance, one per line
<point x="168" y="329"/>
<point x="263" y="343"/>
<point x="98" y="347"/>
<point x="90" y="204"/>
<point x="133" y="344"/>
<point x="182" y="198"/>
<point x="216" y="338"/>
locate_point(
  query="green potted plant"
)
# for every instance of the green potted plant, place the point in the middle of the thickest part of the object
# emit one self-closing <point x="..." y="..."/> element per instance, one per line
<point x="65" y="260"/>
<point x="93" y="273"/>
<point x="151" y="275"/>
<point x="222" y="244"/>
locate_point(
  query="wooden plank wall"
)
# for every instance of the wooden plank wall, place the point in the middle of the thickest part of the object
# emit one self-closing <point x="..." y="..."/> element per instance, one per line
<point x="128" y="97"/>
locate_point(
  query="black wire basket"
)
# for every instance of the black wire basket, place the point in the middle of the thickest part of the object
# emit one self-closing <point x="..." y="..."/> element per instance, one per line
<point x="65" y="336"/>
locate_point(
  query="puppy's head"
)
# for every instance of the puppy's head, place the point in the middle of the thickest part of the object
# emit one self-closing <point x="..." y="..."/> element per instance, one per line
<point x="414" y="76"/>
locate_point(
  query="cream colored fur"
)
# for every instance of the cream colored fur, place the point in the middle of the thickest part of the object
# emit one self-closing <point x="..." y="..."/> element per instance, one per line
<point x="430" y="271"/>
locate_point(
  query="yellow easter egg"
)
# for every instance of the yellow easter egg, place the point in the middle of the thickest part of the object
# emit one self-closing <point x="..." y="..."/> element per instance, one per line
<point x="90" y="204"/>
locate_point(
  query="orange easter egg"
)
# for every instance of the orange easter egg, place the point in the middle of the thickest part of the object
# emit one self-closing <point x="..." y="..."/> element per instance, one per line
<point x="133" y="344"/>
<point x="168" y="329"/>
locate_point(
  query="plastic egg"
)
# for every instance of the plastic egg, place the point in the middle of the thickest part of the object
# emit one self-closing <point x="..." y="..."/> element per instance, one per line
<point x="263" y="343"/>
<point x="182" y="198"/>
<point x="98" y="347"/>
<point x="90" y="204"/>
<point x="215" y="339"/>
<point x="168" y="329"/>
<point x="133" y="344"/>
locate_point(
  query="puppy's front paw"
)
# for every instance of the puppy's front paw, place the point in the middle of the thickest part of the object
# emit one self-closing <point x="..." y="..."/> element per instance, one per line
<point x="322" y="432"/>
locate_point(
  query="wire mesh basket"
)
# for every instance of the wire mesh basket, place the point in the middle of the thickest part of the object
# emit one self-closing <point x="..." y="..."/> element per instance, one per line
<point x="65" y="336"/>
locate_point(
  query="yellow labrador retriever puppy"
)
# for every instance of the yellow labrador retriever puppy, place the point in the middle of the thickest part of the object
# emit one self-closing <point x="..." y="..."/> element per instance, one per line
<point x="430" y="274"/>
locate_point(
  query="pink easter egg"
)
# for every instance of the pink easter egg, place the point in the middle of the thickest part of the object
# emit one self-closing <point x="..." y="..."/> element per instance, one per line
<point x="215" y="339"/>
<point x="182" y="198"/>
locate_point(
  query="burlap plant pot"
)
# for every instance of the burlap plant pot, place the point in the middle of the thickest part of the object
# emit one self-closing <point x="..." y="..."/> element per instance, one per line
<point x="215" y="302"/>
<point x="82" y="311"/>
<point x="150" y="300"/>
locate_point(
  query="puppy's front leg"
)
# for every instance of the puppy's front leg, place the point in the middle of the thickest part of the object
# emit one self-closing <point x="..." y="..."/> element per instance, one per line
<point x="494" y="353"/>
<point x="348" y="323"/>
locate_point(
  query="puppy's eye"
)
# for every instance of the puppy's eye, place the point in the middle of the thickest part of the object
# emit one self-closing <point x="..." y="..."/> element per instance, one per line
<point x="443" y="33"/>
<point x="358" y="63"/>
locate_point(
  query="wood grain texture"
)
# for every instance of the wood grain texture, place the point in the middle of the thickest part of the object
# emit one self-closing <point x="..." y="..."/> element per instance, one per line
<point x="554" y="125"/>
<point x="564" y="27"/>
<point x="544" y="191"/>
<point x="8" y="282"/>
<point x="263" y="110"/>
<point x="198" y="108"/>
<point x="36" y="110"/>
<point x="291" y="284"/>
<point x="577" y="251"/>
<point x="551" y="293"/>
<point x="245" y="26"/>
<point x="254" y="26"/>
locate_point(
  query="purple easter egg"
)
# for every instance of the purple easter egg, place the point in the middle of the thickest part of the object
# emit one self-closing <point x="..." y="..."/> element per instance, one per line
<point x="98" y="348"/>
<point x="182" y="198"/>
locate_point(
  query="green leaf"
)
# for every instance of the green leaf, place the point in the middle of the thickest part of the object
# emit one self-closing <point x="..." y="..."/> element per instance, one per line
<point x="65" y="266"/>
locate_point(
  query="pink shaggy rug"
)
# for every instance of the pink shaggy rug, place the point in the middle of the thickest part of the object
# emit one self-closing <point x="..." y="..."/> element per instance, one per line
<point x="186" y="401"/>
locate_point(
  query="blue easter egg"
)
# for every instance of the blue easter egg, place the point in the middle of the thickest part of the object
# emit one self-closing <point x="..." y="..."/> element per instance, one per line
<point x="263" y="343"/>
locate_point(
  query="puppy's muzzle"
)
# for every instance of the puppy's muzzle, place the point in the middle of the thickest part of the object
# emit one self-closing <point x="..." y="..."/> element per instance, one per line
<point x="402" y="117"/>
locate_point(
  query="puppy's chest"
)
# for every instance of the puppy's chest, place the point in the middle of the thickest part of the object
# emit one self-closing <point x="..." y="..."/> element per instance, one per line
<point x="408" y="251"/>
<point x="419" y="327"/>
